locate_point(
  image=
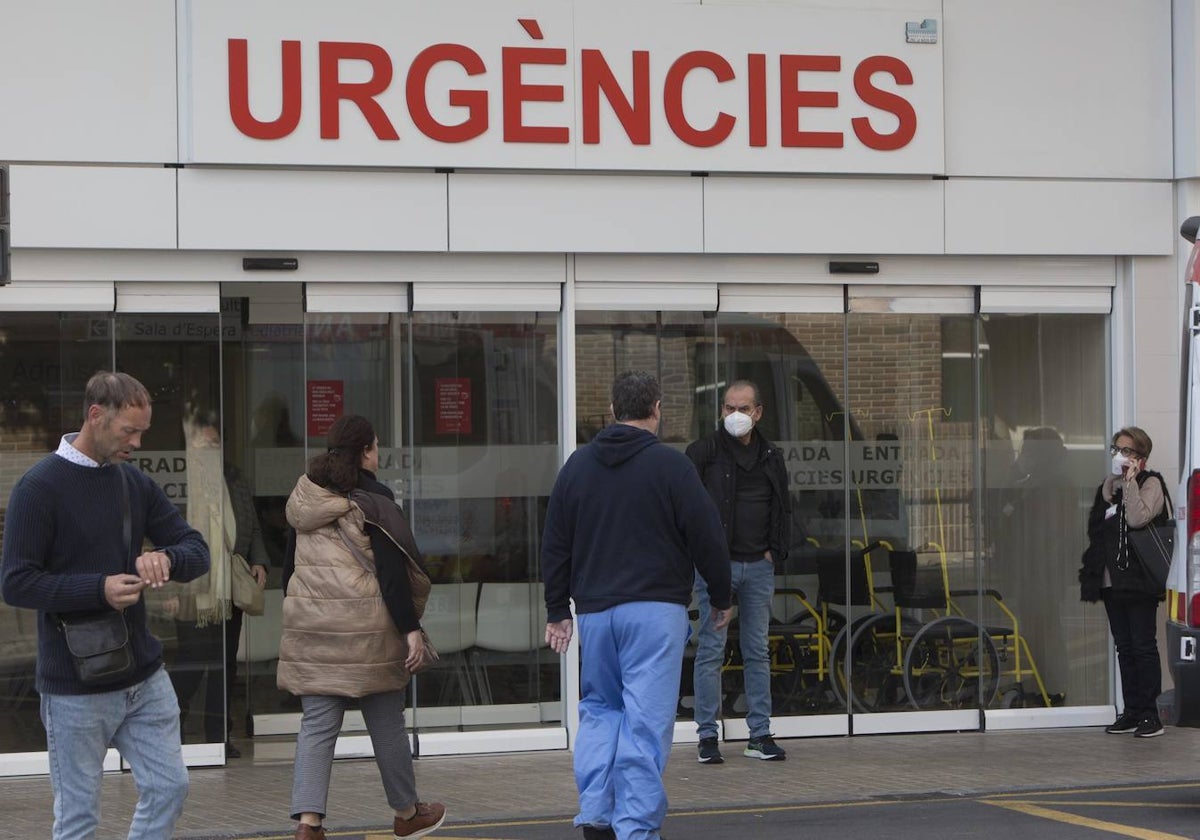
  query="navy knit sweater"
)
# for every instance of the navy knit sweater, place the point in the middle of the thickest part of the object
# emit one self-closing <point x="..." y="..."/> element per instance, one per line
<point x="63" y="536"/>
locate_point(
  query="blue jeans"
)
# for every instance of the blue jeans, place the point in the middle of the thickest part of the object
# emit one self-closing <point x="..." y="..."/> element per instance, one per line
<point x="142" y="722"/>
<point x="629" y="687"/>
<point x="754" y="586"/>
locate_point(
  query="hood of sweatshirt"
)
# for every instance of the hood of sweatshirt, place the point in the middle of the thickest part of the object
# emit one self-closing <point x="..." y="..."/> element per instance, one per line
<point x="311" y="506"/>
<point x="619" y="442"/>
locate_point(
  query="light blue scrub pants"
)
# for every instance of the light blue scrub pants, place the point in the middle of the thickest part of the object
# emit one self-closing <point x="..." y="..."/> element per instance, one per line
<point x="629" y="688"/>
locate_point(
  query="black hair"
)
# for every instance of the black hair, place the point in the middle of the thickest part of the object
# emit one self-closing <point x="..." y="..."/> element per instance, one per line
<point x="337" y="469"/>
<point x="634" y="394"/>
<point x="745" y="383"/>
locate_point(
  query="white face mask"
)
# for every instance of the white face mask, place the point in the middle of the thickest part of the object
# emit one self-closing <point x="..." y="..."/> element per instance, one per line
<point x="1119" y="463"/>
<point x="738" y="424"/>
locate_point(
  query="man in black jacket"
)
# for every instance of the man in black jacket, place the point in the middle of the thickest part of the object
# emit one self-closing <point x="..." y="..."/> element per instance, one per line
<point x="627" y="527"/>
<point x="745" y="475"/>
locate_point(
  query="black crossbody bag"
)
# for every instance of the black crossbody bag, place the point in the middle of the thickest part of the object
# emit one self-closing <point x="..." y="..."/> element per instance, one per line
<point x="99" y="642"/>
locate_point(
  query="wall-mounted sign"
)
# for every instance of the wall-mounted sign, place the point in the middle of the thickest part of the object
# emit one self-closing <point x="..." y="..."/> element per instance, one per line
<point x="452" y="406"/>
<point x="326" y="403"/>
<point x="563" y="85"/>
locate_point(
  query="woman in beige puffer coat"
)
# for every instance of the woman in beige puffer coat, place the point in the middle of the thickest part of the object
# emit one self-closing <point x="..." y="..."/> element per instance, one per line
<point x="355" y="589"/>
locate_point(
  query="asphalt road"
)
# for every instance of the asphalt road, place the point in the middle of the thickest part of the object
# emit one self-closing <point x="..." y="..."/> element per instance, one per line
<point x="1149" y="812"/>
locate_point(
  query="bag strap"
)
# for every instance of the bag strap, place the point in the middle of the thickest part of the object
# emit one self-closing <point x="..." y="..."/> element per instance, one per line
<point x="1167" y="498"/>
<point x="126" y="523"/>
<point x="367" y="565"/>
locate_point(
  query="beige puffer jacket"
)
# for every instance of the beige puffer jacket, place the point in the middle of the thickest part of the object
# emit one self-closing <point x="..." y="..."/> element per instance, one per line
<point x="338" y="637"/>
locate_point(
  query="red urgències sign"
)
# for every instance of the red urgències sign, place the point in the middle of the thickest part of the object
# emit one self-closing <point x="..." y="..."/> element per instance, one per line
<point x="789" y="84"/>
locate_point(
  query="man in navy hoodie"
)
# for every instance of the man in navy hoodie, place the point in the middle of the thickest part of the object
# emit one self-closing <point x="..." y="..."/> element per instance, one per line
<point x="628" y="526"/>
<point x="73" y="536"/>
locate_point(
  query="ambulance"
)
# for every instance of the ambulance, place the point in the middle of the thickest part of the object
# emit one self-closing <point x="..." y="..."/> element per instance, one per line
<point x="1183" y="583"/>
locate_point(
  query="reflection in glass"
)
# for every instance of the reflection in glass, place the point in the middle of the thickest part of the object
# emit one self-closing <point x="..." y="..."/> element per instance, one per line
<point x="484" y="415"/>
<point x="45" y="361"/>
<point x="177" y="357"/>
<point x="1045" y="383"/>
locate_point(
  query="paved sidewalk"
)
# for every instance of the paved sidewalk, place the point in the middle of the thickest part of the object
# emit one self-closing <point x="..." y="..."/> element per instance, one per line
<point x="251" y="797"/>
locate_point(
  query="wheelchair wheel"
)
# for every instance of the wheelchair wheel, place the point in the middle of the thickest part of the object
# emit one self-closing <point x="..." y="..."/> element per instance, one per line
<point x="788" y="662"/>
<point x="836" y="664"/>
<point x="951" y="663"/>
<point x="876" y="681"/>
<point x="805" y="688"/>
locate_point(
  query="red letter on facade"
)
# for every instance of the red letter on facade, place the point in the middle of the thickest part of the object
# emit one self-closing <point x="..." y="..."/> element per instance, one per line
<point x="884" y="101"/>
<point x="756" y="87"/>
<point x="362" y="94"/>
<point x="239" y="92"/>
<point x="475" y="101"/>
<point x="673" y="98"/>
<point x="596" y="76"/>
<point x="516" y="93"/>
<point x="792" y="99"/>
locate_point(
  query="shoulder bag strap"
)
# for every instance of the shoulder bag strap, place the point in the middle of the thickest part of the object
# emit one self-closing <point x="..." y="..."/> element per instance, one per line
<point x="366" y="564"/>
<point x="126" y="525"/>
<point x="1167" y="498"/>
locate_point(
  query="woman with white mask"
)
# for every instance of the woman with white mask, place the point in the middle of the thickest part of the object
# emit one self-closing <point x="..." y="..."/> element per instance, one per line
<point x="1130" y="497"/>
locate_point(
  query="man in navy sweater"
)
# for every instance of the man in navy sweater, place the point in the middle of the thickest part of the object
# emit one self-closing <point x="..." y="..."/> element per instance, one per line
<point x="628" y="526"/>
<point x="66" y="552"/>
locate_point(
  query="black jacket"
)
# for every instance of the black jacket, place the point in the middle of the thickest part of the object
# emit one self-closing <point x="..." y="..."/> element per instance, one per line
<point x="1106" y="549"/>
<point x="628" y="520"/>
<point x="714" y="459"/>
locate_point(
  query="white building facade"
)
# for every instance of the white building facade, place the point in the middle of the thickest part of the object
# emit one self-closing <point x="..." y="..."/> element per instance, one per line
<point x="941" y="237"/>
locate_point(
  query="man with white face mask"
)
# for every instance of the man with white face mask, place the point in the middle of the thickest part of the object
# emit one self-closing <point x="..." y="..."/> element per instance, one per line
<point x="746" y="477"/>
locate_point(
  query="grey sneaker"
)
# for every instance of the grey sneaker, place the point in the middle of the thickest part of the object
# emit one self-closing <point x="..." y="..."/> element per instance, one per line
<point x="1149" y="727"/>
<point x="764" y="748"/>
<point x="710" y="751"/>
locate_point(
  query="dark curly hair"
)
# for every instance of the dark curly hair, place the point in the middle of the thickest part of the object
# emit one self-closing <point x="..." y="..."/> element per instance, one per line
<point x="634" y="394"/>
<point x="337" y="469"/>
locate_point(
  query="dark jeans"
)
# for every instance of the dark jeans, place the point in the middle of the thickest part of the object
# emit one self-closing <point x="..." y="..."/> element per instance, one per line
<point x="199" y="658"/>
<point x="1133" y="620"/>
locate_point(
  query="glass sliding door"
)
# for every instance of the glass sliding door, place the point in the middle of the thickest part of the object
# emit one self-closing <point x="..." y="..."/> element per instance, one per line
<point x="919" y="644"/>
<point x="1045" y="448"/>
<point x="263" y="357"/>
<point x="46" y="359"/>
<point x="483" y="411"/>
<point x="796" y="362"/>
<point x="466" y="409"/>
<point x="177" y="356"/>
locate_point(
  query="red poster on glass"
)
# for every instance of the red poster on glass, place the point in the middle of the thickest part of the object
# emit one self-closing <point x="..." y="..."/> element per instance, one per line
<point x="326" y="402"/>
<point x="452" y="400"/>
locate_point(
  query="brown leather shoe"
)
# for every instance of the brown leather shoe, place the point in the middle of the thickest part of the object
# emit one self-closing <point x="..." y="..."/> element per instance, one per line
<point x="429" y="818"/>
<point x="310" y="832"/>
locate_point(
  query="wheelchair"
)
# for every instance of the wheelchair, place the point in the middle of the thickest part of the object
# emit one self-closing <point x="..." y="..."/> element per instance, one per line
<point x="803" y="634"/>
<point x="927" y="653"/>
